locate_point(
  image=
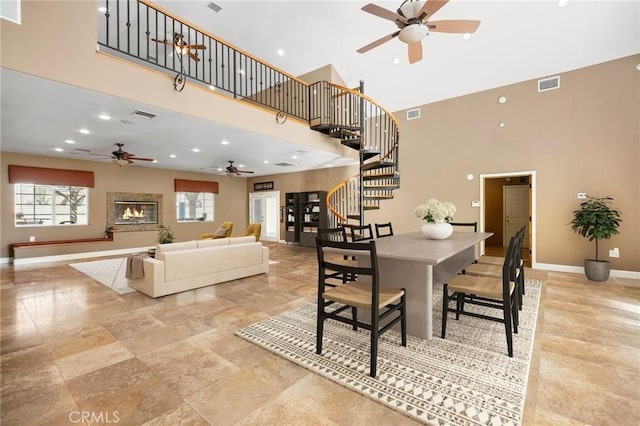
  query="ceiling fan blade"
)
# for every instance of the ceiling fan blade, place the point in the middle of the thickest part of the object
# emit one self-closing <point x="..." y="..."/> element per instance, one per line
<point x="168" y="43"/>
<point x="140" y="158"/>
<point x="384" y="13"/>
<point x="415" y="52"/>
<point x="244" y="171"/>
<point x="196" y="46"/>
<point x="193" y="56"/>
<point x="431" y="7"/>
<point x="378" y="42"/>
<point x="454" y="26"/>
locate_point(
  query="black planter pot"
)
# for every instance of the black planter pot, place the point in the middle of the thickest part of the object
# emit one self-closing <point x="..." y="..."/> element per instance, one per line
<point x="597" y="270"/>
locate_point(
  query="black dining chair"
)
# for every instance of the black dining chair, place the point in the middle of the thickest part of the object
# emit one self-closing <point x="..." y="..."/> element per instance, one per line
<point x="359" y="232"/>
<point x="500" y="293"/>
<point x="384" y="230"/>
<point x="386" y="305"/>
<point x="495" y="271"/>
<point x="473" y="225"/>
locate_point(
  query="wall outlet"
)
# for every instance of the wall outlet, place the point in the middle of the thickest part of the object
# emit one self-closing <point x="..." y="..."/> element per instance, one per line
<point x="475" y="203"/>
<point x="582" y="195"/>
<point x="32" y="239"/>
<point x="614" y="252"/>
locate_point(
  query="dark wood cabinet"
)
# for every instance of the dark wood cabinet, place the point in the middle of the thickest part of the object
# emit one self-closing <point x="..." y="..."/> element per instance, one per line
<point x="292" y="217"/>
<point x="313" y="215"/>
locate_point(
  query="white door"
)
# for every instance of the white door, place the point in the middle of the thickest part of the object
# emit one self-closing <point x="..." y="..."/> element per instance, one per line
<point x="516" y="211"/>
<point x="263" y="209"/>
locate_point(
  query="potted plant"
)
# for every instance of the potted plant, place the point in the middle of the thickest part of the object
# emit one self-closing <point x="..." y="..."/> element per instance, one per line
<point x="596" y="220"/>
<point x="165" y="235"/>
<point x="436" y="215"/>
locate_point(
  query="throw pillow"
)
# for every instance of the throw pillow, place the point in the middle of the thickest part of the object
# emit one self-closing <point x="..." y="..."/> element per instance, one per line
<point x="220" y="232"/>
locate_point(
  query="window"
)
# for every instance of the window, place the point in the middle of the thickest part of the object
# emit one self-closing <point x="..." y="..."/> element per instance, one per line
<point x="51" y="205"/>
<point x="195" y="206"/>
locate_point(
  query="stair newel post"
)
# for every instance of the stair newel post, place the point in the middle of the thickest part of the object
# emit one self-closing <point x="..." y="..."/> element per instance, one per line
<point x="362" y="145"/>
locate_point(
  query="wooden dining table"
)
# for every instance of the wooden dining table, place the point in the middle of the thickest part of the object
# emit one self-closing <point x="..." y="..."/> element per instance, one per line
<point x="413" y="262"/>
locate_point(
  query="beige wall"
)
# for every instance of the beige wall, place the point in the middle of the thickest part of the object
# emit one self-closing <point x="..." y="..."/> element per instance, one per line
<point x="581" y="137"/>
<point x="231" y="204"/>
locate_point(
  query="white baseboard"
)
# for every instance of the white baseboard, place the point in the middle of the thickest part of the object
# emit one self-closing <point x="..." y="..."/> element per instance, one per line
<point x="72" y="256"/>
<point x="5" y="260"/>
<point x="580" y="270"/>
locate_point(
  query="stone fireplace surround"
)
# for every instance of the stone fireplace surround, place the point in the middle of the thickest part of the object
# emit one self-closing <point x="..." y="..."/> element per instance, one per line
<point x="112" y="197"/>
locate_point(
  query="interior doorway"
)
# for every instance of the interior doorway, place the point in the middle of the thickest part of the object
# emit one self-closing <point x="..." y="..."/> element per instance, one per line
<point x="263" y="209"/>
<point x="508" y="203"/>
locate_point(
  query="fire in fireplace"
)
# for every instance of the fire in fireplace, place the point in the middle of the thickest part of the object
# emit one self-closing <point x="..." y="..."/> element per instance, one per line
<point x="136" y="212"/>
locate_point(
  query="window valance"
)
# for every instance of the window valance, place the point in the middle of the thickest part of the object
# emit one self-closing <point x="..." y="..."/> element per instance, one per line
<point x="184" y="185"/>
<point x="47" y="176"/>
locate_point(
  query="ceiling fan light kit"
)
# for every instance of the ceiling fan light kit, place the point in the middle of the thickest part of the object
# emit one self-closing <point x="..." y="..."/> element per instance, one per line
<point x="413" y="33"/>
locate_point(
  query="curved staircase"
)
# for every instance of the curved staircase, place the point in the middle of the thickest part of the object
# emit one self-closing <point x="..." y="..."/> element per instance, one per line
<point x="366" y="127"/>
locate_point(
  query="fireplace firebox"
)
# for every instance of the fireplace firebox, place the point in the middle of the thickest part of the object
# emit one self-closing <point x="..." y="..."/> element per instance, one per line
<point x="135" y="212"/>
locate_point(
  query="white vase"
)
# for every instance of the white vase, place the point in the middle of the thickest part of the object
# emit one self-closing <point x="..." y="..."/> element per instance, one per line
<point x="437" y="230"/>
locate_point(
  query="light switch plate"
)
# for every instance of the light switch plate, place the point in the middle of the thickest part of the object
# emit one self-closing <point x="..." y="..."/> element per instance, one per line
<point x="475" y="203"/>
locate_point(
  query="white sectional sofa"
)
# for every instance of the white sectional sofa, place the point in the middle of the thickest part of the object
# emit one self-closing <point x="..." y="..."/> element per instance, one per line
<point x="192" y="264"/>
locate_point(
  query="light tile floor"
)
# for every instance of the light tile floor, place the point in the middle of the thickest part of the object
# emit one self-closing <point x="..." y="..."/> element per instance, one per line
<point x="71" y="347"/>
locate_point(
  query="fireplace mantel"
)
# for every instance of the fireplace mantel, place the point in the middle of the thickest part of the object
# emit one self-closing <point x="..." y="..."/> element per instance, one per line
<point x="113" y="197"/>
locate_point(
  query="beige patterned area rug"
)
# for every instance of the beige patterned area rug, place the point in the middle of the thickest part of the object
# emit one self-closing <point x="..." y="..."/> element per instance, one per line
<point x="108" y="272"/>
<point x="466" y="378"/>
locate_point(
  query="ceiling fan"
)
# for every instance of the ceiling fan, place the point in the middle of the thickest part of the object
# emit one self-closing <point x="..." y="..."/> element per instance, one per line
<point x="122" y="158"/>
<point x="413" y="20"/>
<point x="181" y="47"/>
<point x="233" y="170"/>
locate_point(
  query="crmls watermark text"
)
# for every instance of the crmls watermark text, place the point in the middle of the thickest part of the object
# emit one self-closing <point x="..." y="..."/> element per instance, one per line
<point x="94" y="417"/>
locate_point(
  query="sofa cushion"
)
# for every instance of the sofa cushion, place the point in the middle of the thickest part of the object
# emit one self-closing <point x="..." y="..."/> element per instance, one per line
<point x="184" y="264"/>
<point x="213" y="243"/>
<point x="242" y="240"/>
<point x="161" y="249"/>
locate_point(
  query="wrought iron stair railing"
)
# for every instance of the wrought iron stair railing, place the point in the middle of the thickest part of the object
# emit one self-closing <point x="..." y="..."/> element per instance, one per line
<point x="144" y="33"/>
<point x="366" y="127"/>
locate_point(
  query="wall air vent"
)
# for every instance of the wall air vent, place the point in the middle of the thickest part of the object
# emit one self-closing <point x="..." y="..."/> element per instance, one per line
<point x="143" y="114"/>
<point x="550" y="83"/>
<point x="285" y="164"/>
<point x="214" y="7"/>
<point x="412" y="114"/>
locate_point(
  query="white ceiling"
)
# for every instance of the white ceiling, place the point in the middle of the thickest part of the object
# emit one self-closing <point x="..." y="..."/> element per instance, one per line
<point x="516" y="41"/>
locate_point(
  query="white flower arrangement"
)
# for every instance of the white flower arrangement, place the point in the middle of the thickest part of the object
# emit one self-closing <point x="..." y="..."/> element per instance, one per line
<point x="436" y="211"/>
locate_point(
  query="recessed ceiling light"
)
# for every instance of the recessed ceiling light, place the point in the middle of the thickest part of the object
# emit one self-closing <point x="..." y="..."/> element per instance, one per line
<point x="280" y="52"/>
<point x="195" y="150"/>
<point x="240" y="165"/>
<point x="84" y="131"/>
<point x="69" y="141"/>
<point x="396" y="61"/>
<point x="172" y="155"/>
<point x="466" y="36"/>
<point x="104" y="117"/>
<point x="59" y="149"/>
<point x="102" y="9"/>
<point x="154" y="161"/>
<point x="266" y="161"/>
<point x="562" y="3"/>
<point x="295" y="157"/>
<point x="212" y="87"/>
<point x="219" y="169"/>
<point x="501" y="124"/>
<point x="225" y="142"/>
<point x="241" y="72"/>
